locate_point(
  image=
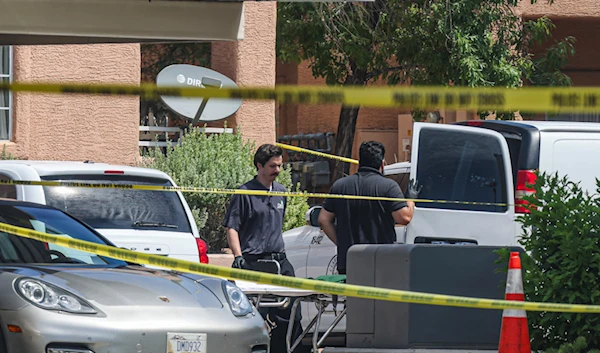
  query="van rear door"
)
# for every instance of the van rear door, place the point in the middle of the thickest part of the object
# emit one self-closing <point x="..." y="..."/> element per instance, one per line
<point x="458" y="166"/>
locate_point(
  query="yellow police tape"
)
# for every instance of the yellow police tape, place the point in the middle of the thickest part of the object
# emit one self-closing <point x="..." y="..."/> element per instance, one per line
<point x="293" y="282"/>
<point x="530" y="99"/>
<point x="316" y="153"/>
<point x="233" y="191"/>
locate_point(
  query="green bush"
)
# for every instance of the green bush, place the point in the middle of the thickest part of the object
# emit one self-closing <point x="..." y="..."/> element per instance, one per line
<point x="217" y="161"/>
<point x="562" y="264"/>
<point x="578" y="346"/>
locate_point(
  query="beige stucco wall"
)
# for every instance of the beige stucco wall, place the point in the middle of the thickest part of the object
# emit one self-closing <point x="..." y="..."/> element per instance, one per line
<point x="251" y="62"/>
<point x="76" y="127"/>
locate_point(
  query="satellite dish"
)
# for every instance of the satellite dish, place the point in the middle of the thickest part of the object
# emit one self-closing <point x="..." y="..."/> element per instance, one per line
<point x="198" y="109"/>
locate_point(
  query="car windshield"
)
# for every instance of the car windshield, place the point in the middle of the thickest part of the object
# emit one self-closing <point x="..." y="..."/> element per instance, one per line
<point x="119" y="208"/>
<point x="17" y="249"/>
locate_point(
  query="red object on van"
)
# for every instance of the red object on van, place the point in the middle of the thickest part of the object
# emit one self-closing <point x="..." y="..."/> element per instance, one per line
<point x="525" y="178"/>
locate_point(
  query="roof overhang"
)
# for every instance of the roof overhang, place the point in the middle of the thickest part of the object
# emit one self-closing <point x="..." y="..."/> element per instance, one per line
<point x="30" y="22"/>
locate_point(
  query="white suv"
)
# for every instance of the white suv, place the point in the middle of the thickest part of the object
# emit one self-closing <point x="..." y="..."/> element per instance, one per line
<point x="153" y="222"/>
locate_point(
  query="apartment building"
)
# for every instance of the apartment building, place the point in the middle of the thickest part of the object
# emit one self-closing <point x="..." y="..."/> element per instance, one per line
<point x="100" y="128"/>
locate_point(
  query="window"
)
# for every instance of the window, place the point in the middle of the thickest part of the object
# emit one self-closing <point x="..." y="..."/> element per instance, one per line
<point x="6" y="68"/>
<point x="460" y="166"/>
<point x="514" y="149"/>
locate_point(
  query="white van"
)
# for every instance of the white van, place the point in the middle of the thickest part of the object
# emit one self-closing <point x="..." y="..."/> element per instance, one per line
<point x="492" y="161"/>
<point x="153" y="222"/>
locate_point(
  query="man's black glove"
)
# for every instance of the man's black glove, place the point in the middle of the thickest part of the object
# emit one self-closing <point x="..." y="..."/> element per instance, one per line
<point x="239" y="262"/>
<point x="414" y="189"/>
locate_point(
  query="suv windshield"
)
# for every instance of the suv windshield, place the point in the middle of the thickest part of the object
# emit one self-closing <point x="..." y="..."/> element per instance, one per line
<point x="119" y="208"/>
<point x="16" y="249"/>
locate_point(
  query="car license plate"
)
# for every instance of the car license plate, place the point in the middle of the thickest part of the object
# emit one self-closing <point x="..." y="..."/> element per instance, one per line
<point x="186" y="342"/>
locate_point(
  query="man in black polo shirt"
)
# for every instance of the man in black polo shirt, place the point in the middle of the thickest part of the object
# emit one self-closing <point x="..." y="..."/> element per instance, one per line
<point x="366" y="221"/>
<point x="255" y="232"/>
<point x="254" y="223"/>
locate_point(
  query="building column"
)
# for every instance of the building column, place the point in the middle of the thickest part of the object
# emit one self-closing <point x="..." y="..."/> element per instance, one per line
<point x="251" y="62"/>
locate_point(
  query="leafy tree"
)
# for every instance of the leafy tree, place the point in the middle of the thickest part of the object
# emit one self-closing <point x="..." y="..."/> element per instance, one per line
<point x="451" y="42"/>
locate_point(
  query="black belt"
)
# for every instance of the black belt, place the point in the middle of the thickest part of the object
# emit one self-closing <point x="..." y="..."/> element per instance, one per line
<point x="278" y="256"/>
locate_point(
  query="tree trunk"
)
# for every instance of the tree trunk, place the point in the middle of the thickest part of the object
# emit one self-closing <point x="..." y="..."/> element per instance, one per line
<point x="344" y="139"/>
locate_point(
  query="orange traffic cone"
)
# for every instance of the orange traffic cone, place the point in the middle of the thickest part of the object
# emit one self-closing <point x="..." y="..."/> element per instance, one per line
<point x="514" y="334"/>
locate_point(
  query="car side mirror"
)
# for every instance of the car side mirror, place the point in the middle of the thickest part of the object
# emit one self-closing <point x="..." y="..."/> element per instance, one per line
<point x="314" y="216"/>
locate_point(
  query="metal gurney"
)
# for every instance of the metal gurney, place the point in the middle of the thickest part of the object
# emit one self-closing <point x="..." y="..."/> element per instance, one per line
<point x="274" y="296"/>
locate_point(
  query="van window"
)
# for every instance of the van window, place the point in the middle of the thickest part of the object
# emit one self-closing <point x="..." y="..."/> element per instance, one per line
<point x="514" y="149"/>
<point x="461" y="166"/>
<point x="119" y="208"/>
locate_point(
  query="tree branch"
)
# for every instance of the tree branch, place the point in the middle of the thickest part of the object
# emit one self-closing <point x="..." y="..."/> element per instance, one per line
<point x="376" y="73"/>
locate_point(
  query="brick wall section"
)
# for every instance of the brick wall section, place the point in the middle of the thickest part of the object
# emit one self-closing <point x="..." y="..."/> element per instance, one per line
<point x="583" y="68"/>
<point x="324" y="117"/>
<point x="579" y="8"/>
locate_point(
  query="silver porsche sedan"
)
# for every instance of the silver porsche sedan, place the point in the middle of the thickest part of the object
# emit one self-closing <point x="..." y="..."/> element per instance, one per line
<point x="58" y="300"/>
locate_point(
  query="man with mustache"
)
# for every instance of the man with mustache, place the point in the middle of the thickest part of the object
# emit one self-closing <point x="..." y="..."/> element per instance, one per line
<point x="254" y="232"/>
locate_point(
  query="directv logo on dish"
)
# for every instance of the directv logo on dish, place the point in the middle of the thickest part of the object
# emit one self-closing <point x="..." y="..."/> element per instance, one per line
<point x="194" y="82"/>
<point x="190" y="81"/>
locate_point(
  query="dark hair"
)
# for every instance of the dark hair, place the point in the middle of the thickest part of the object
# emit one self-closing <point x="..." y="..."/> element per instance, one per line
<point x="266" y="152"/>
<point x="371" y="154"/>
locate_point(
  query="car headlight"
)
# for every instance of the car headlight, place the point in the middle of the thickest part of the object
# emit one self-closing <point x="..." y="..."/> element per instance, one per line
<point x="238" y="301"/>
<point x="50" y="297"/>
